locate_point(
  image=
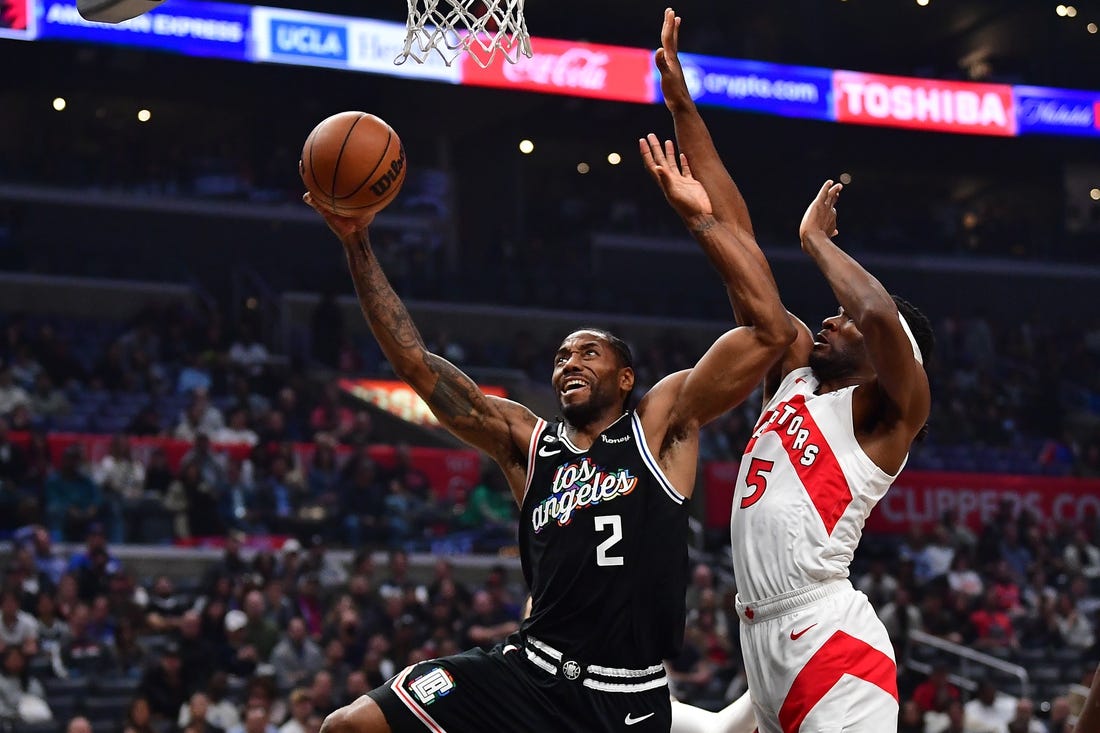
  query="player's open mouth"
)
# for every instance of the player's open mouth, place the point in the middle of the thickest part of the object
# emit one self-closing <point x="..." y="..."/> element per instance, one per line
<point x="819" y="340"/>
<point x="572" y="385"/>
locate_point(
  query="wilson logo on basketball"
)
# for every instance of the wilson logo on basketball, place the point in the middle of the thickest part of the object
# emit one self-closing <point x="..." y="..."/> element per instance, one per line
<point x="383" y="184"/>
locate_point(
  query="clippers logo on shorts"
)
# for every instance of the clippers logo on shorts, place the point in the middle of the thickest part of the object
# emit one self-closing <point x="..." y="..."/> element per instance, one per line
<point x="787" y="421"/>
<point x="578" y="486"/>
<point x="431" y="686"/>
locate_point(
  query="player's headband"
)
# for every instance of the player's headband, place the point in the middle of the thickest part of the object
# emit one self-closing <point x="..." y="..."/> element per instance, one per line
<point x="912" y="339"/>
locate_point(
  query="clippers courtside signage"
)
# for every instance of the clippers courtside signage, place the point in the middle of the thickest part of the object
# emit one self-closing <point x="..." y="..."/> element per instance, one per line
<point x="572" y="68"/>
<point x="924" y="104"/>
<point x="399" y="399"/>
<point x="921" y="498"/>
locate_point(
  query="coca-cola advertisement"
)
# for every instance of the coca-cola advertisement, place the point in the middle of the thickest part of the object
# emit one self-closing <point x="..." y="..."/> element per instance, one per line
<point x="572" y="68"/>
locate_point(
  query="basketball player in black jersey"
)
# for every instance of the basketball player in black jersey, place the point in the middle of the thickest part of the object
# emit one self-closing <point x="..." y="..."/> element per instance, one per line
<point x="603" y="494"/>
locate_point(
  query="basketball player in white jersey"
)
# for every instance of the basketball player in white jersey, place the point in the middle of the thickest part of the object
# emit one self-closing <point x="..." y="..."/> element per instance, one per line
<point x="841" y="411"/>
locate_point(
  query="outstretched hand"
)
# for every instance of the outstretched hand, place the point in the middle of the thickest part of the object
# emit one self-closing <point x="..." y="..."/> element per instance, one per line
<point x="344" y="227"/>
<point x="673" y="84"/>
<point x="821" y="214"/>
<point x="686" y="195"/>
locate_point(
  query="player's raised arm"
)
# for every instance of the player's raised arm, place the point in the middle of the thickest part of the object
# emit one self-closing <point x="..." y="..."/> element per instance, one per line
<point x="497" y="426"/>
<point x="740" y="358"/>
<point x="694" y="140"/>
<point x="893" y="353"/>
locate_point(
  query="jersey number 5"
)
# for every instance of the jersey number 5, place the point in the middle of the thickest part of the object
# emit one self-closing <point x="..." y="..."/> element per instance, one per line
<point x="757" y="481"/>
<point x="615" y="523"/>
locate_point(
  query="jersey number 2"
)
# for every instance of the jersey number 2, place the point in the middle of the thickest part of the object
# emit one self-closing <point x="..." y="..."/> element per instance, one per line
<point x="615" y="523"/>
<point x="757" y="481"/>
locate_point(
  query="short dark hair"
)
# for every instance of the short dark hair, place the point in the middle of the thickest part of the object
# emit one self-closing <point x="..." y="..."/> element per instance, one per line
<point x="919" y="325"/>
<point x="626" y="358"/>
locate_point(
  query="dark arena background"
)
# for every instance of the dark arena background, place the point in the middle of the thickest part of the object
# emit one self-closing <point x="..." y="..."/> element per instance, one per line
<point x="222" y="512"/>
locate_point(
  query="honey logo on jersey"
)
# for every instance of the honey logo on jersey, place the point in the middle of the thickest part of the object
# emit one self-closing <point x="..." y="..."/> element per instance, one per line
<point x="579" y="485"/>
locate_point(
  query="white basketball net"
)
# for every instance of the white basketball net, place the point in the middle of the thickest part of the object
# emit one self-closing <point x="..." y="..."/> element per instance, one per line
<point x="481" y="28"/>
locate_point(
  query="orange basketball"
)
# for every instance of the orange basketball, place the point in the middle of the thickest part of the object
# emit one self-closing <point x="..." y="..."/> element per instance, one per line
<point x="353" y="162"/>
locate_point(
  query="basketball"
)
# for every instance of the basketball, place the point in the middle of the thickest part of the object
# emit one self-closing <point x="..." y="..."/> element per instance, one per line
<point x="353" y="162"/>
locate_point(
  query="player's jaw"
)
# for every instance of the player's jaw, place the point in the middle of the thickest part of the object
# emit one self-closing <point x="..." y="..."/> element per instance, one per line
<point x="583" y="398"/>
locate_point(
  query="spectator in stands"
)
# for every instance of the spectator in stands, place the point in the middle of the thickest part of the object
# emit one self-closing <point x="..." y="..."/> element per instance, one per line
<point x="280" y="608"/>
<point x="992" y="627"/>
<point x="259" y="631"/>
<point x="68" y="595"/>
<point x="489" y="507"/>
<point x="79" y="724"/>
<point x="73" y="501"/>
<point x="194" y="376"/>
<point x="100" y="624"/>
<point x="122" y="479"/>
<point x="11" y="394"/>
<point x="222" y="713"/>
<point x="319" y="561"/>
<point x="990" y="708"/>
<point x="22" y="697"/>
<point x="329" y="416"/>
<point x="277" y="501"/>
<point x="323" y="476"/>
<point x="195" y="715"/>
<point x="46" y="400"/>
<point x="910" y="718"/>
<point x="53" y="632"/>
<point x="1081" y="556"/>
<point x="236" y="498"/>
<point x="237" y="430"/>
<point x="94" y="541"/>
<point x="301" y="708"/>
<point x="1024" y="720"/>
<point x="487" y="624"/>
<point x="130" y="656"/>
<point x="364" y="503"/>
<point x="1073" y="626"/>
<point x="900" y="617"/>
<point x="158" y="474"/>
<point x="17" y="627"/>
<point x="1060" y="715"/>
<point x="211" y="464"/>
<point x="1013" y="552"/>
<point x="1005" y="589"/>
<point x="247" y="353"/>
<point x="256" y="720"/>
<point x="1041" y="629"/>
<point x="322" y="694"/>
<point x="361" y="431"/>
<point x="146" y="423"/>
<point x="296" y="657"/>
<point x="357" y="684"/>
<point x="1037" y="589"/>
<point x="163" y="684"/>
<point x="959" y="535"/>
<point x="295" y="420"/>
<point x="195" y="503"/>
<point x="936" y="693"/>
<point x="877" y="583"/>
<point x="962" y="578"/>
<point x="138" y="717"/>
<point x="13" y="461"/>
<point x="84" y="655"/>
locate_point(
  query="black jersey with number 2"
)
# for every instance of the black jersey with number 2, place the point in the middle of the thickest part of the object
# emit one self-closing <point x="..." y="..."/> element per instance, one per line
<point x="603" y="539"/>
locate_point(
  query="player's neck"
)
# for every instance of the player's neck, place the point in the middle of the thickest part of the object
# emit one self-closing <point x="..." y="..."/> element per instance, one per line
<point x="840" y="382"/>
<point x="584" y="436"/>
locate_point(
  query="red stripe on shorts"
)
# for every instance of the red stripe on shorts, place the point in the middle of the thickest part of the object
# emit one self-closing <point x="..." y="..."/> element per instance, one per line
<point x="842" y="654"/>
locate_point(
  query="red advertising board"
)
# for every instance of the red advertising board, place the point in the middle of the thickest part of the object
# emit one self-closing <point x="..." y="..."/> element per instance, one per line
<point x="924" y="104"/>
<point x="921" y="497"/>
<point x="573" y="68"/>
<point x="451" y="472"/>
<point x="399" y="399"/>
<point x="15" y="19"/>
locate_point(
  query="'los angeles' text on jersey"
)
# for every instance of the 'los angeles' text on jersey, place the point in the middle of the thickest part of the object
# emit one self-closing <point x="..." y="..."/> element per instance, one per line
<point x="603" y="540"/>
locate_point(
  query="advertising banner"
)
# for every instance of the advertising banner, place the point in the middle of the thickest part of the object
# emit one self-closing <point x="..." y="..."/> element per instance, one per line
<point x="16" y="19"/>
<point x="924" y="104"/>
<point x="398" y="398"/>
<point x="921" y="497"/>
<point x="572" y="68"/>
<point x="1057" y="111"/>
<point x="788" y="91"/>
<point x="188" y="27"/>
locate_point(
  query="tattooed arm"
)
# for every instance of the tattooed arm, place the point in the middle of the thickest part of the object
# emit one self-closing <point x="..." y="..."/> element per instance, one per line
<point x="499" y="427"/>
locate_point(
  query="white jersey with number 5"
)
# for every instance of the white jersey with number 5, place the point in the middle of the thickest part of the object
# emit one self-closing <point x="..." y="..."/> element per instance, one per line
<point x="803" y="493"/>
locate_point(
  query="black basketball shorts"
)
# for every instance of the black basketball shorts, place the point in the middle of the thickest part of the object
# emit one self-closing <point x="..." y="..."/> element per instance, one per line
<point x="523" y="686"/>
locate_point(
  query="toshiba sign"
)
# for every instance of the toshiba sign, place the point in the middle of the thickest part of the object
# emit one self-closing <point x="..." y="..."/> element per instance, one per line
<point x="924" y="104"/>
